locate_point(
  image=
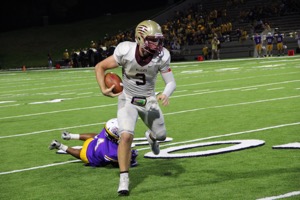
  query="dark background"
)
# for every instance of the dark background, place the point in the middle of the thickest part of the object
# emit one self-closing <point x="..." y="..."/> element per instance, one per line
<point x="18" y="14"/>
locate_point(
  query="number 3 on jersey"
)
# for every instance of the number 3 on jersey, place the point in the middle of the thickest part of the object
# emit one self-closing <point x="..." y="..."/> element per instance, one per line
<point x="142" y="77"/>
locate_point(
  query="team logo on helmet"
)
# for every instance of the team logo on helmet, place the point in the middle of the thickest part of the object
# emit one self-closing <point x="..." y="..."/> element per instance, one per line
<point x="111" y="130"/>
<point x="149" y="36"/>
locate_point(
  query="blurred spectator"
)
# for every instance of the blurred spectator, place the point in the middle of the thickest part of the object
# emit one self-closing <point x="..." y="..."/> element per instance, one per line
<point x="205" y="52"/>
<point x="75" y="58"/>
<point x="238" y="33"/>
<point x="244" y="36"/>
<point x="66" y="57"/>
<point x="91" y="53"/>
<point x="93" y="45"/>
<point x="267" y="27"/>
<point x="110" y="51"/>
<point x="175" y="47"/>
<point x="279" y="43"/>
<point x="50" y="61"/>
<point x="269" y="40"/>
<point x="258" y="44"/>
<point x="297" y="37"/>
<point x="215" y="48"/>
<point x="98" y="55"/>
<point x="83" y="58"/>
<point x="102" y="45"/>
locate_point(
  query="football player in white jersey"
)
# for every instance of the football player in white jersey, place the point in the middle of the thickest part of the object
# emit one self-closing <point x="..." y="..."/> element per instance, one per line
<point x="141" y="61"/>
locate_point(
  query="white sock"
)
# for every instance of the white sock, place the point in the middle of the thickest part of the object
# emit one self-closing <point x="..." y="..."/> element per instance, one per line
<point x="124" y="175"/>
<point x="63" y="147"/>
<point x="74" y="136"/>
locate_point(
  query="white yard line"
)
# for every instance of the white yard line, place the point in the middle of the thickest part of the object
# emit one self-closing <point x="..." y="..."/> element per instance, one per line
<point x="174" y="96"/>
<point x="9" y="105"/>
<point x="48" y="87"/>
<point x="225" y="80"/>
<point x="57" y="111"/>
<point x="229" y="134"/>
<point x="172" y="113"/>
<point x="237" y="104"/>
<point x="38" y="167"/>
<point x="233" y="89"/>
<point x="50" y="130"/>
<point x="279" y="88"/>
<point x="290" y="194"/>
<point x="248" y="89"/>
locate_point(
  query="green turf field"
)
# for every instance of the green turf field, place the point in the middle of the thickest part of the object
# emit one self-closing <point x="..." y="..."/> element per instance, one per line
<point x="240" y="100"/>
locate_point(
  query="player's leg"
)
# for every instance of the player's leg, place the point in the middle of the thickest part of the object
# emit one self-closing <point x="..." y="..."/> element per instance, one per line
<point x="86" y="136"/>
<point x="57" y="145"/>
<point x="74" y="152"/>
<point x="257" y="50"/>
<point x="154" y="120"/>
<point x="127" y="117"/>
<point x="152" y="141"/>
<point x="124" y="150"/>
<point x="124" y="160"/>
<point x="282" y="49"/>
<point x="268" y="50"/>
<point x="260" y="50"/>
<point x="66" y="135"/>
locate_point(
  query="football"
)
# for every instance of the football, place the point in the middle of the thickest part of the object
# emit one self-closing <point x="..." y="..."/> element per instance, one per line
<point x="110" y="79"/>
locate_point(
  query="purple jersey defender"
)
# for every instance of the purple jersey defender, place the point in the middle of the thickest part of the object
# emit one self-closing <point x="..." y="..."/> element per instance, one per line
<point x="101" y="151"/>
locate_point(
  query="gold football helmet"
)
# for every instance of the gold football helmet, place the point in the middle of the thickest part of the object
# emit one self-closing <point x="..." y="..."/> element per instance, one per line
<point x="149" y="36"/>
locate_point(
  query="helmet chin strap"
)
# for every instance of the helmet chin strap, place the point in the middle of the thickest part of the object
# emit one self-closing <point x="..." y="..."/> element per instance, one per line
<point x="151" y="51"/>
<point x="144" y="51"/>
<point x="147" y="51"/>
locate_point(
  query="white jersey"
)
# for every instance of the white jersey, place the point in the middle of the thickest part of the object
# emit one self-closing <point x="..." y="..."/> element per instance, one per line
<point x="140" y="80"/>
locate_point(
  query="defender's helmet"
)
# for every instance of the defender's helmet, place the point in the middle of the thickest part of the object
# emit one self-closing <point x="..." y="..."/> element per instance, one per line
<point x="111" y="130"/>
<point x="149" y="36"/>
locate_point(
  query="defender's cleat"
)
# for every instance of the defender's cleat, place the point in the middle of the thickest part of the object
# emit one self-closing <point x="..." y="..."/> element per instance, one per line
<point x="123" y="186"/>
<point x="134" y="154"/>
<point x="65" y="135"/>
<point x="54" y="144"/>
<point x="153" y="143"/>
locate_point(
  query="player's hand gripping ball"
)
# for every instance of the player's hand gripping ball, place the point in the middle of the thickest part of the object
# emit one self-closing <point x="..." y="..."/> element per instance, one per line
<point x="110" y="79"/>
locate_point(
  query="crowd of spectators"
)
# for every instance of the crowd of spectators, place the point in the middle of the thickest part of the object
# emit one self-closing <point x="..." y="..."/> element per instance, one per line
<point x="193" y="26"/>
<point x="257" y="16"/>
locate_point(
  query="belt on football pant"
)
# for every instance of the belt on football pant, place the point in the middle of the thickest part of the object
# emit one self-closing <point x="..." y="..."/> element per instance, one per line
<point x="139" y="101"/>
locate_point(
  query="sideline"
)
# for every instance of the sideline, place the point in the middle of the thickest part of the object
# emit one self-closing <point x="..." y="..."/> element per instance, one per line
<point x="140" y="149"/>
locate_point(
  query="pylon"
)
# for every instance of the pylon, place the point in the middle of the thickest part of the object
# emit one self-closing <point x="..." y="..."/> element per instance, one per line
<point x="24" y="68"/>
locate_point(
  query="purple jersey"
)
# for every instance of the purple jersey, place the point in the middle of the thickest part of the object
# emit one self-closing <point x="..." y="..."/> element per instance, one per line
<point x="102" y="151"/>
<point x="257" y="39"/>
<point x="270" y="39"/>
<point x="279" y="38"/>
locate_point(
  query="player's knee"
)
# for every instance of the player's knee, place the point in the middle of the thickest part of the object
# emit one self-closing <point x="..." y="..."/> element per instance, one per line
<point x="126" y="137"/>
<point x="161" y="135"/>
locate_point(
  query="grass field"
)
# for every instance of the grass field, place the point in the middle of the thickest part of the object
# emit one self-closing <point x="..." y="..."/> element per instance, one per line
<point x="246" y="99"/>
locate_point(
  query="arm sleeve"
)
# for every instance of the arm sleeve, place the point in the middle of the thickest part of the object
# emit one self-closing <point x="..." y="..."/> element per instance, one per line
<point x="170" y="83"/>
